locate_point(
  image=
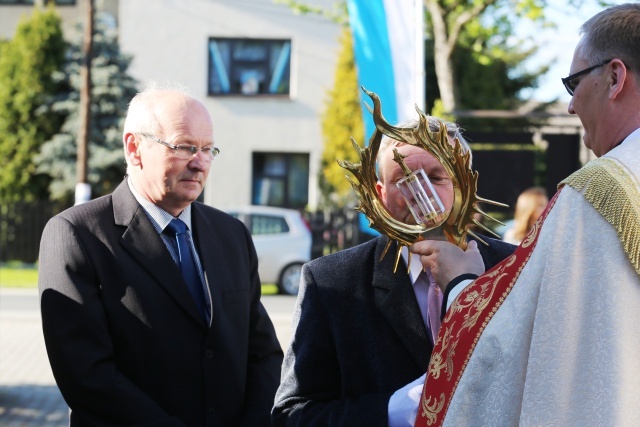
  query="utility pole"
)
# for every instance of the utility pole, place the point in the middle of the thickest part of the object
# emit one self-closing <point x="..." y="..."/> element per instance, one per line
<point x="83" y="189"/>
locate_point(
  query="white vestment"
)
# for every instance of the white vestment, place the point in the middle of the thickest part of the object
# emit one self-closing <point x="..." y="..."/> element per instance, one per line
<point x="563" y="349"/>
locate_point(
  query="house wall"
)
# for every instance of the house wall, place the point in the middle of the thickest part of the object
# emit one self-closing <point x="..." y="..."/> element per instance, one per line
<point x="169" y="42"/>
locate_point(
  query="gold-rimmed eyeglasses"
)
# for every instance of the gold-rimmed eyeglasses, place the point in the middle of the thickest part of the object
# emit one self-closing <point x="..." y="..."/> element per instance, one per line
<point x="185" y="151"/>
<point x="569" y="82"/>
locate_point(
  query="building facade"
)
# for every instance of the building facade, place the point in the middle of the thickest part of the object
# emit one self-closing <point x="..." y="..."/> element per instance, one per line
<point x="262" y="71"/>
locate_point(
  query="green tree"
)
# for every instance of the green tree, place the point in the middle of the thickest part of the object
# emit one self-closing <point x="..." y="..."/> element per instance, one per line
<point x="340" y="122"/>
<point x="484" y="26"/>
<point x="27" y="63"/>
<point x="112" y="88"/>
<point x="484" y="84"/>
<point x="465" y="36"/>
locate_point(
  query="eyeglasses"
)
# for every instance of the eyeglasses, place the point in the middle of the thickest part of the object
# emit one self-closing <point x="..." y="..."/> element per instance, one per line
<point x="569" y="82"/>
<point x="186" y="151"/>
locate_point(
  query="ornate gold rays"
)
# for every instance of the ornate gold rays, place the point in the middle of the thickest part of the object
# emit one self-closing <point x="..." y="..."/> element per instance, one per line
<point x="455" y="160"/>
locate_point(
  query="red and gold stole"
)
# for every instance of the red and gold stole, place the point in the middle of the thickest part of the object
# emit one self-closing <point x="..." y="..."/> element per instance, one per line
<point x="463" y="324"/>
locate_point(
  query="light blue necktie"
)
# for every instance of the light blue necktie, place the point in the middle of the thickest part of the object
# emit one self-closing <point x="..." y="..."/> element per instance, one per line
<point x="187" y="264"/>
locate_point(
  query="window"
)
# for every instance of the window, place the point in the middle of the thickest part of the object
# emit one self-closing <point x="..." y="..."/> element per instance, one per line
<point x="249" y="67"/>
<point x="31" y="2"/>
<point x="261" y="223"/>
<point x="281" y="180"/>
<point x="268" y="224"/>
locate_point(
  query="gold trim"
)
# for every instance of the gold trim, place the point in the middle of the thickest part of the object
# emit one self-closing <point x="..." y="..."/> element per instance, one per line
<point x="473" y="298"/>
<point x="455" y="225"/>
<point x="612" y="192"/>
<point x="431" y="411"/>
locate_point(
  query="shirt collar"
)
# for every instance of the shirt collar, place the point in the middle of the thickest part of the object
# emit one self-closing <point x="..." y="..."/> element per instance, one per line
<point x="159" y="217"/>
<point x="416" y="265"/>
<point x="632" y="135"/>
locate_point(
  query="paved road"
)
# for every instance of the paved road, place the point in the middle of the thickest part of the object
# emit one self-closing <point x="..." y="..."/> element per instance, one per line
<point x="28" y="394"/>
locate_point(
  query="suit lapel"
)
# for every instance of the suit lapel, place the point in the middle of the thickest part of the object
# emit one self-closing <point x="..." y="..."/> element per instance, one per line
<point x="396" y="299"/>
<point x="208" y="242"/>
<point x="141" y="240"/>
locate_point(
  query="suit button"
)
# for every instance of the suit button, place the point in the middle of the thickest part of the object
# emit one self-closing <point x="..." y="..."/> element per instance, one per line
<point x="208" y="354"/>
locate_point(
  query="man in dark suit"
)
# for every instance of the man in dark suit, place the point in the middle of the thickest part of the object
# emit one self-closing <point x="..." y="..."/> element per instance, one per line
<point x="363" y="338"/>
<point x="150" y="301"/>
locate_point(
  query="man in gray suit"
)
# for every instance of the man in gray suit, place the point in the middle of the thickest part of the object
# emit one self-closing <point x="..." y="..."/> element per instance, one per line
<point x="151" y="301"/>
<point x="363" y="335"/>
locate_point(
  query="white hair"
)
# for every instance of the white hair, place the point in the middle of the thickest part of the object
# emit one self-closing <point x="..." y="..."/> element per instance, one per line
<point x="140" y="118"/>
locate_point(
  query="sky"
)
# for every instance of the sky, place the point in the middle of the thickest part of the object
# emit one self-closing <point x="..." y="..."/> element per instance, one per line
<point x="557" y="45"/>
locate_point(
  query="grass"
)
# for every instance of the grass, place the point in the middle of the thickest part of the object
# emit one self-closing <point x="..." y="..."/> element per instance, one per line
<point x="18" y="277"/>
<point x="26" y="276"/>
<point x="269" y="289"/>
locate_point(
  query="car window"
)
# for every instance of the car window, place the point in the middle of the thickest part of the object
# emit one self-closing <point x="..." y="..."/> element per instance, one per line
<point x="268" y="224"/>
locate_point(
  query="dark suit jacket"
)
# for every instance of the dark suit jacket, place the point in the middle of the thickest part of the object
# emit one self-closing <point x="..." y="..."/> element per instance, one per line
<point x="358" y="338"/>
<point x="124" y="338"/>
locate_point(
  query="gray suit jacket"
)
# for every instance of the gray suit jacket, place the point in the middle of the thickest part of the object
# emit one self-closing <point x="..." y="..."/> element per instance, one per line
<point x="358" y="338"/>
<point x="124" y="337"/>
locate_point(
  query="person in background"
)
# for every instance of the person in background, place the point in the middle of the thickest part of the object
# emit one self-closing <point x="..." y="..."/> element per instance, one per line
<point x="550" y="336"/>
<point x="150" y="301"/>
<point x="363" y="334"/>
<point x="529" y="206"/>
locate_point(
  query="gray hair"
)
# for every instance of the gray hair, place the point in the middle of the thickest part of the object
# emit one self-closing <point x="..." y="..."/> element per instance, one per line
<point x="614" y="33"/>
<point x="453" y="131"/>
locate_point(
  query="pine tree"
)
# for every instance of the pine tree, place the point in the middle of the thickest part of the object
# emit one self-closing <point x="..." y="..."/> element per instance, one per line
<point x="112" y="89"/>
<point x="339" y="124"/>
<point x="27" y="63"/>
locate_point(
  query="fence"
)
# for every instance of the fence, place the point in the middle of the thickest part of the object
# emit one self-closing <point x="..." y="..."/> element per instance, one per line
<point x="508" y="163"/>
<point x="21" y="226"/>
<point x="333" y="231"/>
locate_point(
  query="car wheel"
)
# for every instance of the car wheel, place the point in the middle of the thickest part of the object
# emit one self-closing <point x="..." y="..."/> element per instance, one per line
<point x="290" y="279"/>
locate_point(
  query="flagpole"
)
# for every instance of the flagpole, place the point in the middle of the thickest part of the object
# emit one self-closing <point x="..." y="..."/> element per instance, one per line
<point x="420" y="74"/>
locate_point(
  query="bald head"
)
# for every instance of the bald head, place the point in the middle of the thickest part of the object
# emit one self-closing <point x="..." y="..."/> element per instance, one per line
<point x="149" y="109"/>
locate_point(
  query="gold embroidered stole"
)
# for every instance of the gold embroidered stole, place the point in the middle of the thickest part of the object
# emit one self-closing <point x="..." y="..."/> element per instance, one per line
<point x="612" y="191"/>
<point x="463" y="324"/>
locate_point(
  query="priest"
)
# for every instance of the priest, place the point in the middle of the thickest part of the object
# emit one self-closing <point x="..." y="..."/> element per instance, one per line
<point x="550" y="335"/>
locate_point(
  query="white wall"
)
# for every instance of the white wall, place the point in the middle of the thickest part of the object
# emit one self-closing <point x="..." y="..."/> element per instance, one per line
<point x="169" y="41"/>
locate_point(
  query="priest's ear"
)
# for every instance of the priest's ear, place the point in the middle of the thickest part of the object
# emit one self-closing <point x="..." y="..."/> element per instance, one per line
<point x="618" y="78"/>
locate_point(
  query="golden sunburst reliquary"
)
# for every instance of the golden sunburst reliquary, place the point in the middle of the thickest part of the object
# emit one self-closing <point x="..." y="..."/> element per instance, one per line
<point x="457" y="162"/>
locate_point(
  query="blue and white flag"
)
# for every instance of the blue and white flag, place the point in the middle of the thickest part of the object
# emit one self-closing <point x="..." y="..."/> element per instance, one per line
<point x="388" y="40"/>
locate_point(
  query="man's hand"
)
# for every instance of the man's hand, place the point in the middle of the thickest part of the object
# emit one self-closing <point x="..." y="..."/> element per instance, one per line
<point x="447" y="261"/>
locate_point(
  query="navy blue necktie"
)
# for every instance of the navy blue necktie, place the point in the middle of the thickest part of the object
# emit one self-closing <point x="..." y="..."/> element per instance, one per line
<point x="187" y="264"/>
